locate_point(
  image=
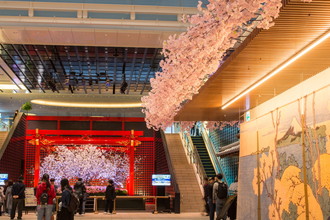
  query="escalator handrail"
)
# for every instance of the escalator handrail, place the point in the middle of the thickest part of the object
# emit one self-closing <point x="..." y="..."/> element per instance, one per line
<point x="194" y="156"/>
<point x="199" y="160"/>
<point x="210" y="148"/>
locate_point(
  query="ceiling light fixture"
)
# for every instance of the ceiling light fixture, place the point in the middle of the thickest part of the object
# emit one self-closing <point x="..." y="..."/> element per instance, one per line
<point x="278" y="69"/>
<point x="87" y="105"/>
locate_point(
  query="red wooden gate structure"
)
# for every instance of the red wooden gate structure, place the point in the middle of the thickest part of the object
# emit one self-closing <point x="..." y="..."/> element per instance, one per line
<point x="41" y="137"/>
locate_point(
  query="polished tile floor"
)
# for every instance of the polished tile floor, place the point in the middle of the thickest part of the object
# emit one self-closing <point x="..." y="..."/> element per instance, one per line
<point x="127" y="215"/>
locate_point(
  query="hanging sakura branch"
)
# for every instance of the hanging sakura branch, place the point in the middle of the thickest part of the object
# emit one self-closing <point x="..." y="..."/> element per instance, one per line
<point x="193" y="56"/>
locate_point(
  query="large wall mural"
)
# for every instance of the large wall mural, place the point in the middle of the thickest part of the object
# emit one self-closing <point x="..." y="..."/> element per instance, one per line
<point x="285" y="161"/>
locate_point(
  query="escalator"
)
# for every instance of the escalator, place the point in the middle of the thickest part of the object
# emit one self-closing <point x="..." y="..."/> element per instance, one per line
<point x="204" y="155"/>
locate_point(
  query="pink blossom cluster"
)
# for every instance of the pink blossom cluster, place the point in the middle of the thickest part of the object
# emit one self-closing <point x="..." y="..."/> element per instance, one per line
<point x="210" y="125"/>
<point x="186" y="125"/>
<point x="192" y="56"/>
<point x="88" y="162"/>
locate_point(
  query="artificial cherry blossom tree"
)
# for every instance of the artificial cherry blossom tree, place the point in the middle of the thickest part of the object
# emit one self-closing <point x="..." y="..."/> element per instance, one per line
<point x="193" y="56"/>
<point x="88" y="162"/>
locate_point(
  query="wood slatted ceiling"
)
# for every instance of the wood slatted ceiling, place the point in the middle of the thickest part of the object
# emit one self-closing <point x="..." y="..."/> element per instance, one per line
<point x="298" y="25"/>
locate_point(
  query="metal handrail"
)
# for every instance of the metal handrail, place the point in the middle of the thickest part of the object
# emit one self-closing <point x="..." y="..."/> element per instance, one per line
<point x="169" y="163"/>
<point x="199" y="164"/>
<point x="171" y="169"/>
<point x="193" y="156"/>
<point x="95" y="208"/>
<point x="210" y="148"/>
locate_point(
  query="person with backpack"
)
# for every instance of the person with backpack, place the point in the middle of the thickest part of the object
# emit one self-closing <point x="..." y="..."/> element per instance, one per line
<point x="45" y="196"/>
<point x="110" y="195"/>
<point x="65" y="213"/>
<point x="220" y="193"/>
<point x="80" y="190"/>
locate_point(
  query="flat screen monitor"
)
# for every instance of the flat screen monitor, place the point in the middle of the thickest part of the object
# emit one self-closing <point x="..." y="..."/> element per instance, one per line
<point x="161" y="179"/>
<point x="3" y="177"/>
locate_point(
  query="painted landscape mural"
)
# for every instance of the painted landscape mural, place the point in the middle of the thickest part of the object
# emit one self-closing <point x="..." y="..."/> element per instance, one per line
<point x="285" y="162"/>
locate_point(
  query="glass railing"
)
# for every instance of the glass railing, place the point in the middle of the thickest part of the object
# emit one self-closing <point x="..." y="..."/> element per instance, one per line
<point x="4" y="126"/>
<point x="211" y="150"/>
<point x="192" y="153"/>
<point x="193" y="156"/>
<point x="176" y="3"/>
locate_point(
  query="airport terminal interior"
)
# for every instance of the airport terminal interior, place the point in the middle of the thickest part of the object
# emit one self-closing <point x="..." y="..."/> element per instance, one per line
<point x="165" y="109"/>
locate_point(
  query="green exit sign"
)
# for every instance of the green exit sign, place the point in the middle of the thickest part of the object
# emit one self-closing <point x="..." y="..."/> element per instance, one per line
<point x="247" y="116"/>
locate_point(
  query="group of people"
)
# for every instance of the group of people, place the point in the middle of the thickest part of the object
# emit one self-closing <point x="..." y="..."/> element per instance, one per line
<point x="215" y="196"/>
<point x="12" y="197"/>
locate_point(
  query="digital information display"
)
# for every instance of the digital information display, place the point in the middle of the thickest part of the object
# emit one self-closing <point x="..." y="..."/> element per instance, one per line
<point x="3" y="177"/>
<point x="161" y="179"/>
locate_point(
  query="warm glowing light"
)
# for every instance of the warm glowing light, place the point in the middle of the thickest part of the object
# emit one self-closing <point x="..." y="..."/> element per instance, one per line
<point x="8" y="86"/>
<point x="87" y="105"/>
<point x="12" y="86"/>
<point x="279" y="69"/>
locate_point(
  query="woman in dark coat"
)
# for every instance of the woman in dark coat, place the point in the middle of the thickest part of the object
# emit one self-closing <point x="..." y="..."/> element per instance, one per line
<point x="110" y="196"/>
<point x="64" y="213"/>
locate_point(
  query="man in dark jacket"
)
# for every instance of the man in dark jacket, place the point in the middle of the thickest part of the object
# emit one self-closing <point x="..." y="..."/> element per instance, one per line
<point x="110" y="196"/>
<point x="206" y="195"/>
<point x="80" y="190"/>
<point x="18" y="193"/>
<point x="210" y="198"/>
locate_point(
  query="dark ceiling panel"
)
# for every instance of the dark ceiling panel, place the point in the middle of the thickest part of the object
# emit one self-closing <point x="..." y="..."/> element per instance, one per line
<point x="83" y="69"/>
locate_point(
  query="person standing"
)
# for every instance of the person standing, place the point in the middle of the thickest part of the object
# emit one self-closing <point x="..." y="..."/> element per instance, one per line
<point x="80" y="190"/>
<point x="4" y="192"/>
<point x="9" y="196"/>
<point x="16" y="113"/>
<point x="84" y="202"/>
<point x="52" y="182"/>
<point x="220" y="192"/>
<point x="18" y="193"/>
<point x="45" y="195"/>
<point x="64" y="213"/>
<point x="110" y="196"/>
<point x="210" y="198"/>
<point x="2" y="199"/>
<point x="206" y="195"/>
